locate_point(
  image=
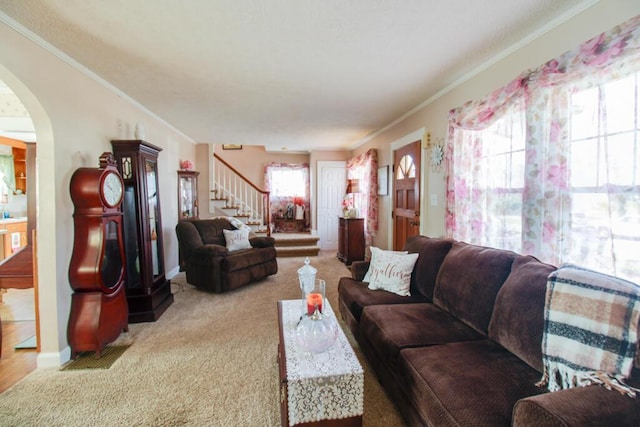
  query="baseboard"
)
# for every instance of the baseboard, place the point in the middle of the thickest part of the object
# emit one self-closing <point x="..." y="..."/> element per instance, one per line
<point x="173" y="272"/>
<point x="53" y="359"/>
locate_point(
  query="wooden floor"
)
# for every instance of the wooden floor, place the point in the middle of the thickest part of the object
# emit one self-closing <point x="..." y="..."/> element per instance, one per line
<point x="17" y="326"/>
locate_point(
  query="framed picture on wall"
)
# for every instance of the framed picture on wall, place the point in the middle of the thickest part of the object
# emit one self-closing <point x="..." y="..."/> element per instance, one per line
<point x="383" y="180"/>
<point x="231" y="147"/>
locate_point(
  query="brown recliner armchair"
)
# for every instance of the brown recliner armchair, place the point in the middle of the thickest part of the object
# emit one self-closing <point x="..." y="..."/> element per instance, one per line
<point x="210" y="266"/>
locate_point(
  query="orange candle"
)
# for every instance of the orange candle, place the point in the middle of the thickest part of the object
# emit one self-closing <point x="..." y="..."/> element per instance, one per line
<point x="313" y="300"/>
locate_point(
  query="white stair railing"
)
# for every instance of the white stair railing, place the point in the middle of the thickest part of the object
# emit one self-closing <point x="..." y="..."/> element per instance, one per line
<point x="242" y="195"/>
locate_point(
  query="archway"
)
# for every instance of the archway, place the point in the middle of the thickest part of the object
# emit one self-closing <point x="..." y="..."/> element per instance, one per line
<point x="52" y="341"/>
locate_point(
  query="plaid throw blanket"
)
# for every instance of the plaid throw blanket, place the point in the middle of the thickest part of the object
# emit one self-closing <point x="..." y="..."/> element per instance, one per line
<point x="590" y="330"/>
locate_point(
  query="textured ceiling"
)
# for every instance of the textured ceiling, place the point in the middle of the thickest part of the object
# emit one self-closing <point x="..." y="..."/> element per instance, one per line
<point x="301" y="74"/>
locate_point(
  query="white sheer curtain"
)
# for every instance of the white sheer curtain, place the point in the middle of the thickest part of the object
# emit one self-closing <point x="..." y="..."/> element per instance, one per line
<point x="550" y="164"/>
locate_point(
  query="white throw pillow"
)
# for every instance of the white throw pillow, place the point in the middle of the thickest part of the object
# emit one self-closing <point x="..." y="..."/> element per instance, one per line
<point x="237" y="239"/>
<point x="375" y="253"/>
<point x="390" y="271"/>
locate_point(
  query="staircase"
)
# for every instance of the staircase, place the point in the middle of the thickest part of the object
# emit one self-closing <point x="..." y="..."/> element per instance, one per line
<point x="296" y="244"/>
<point x="235" y="196"/>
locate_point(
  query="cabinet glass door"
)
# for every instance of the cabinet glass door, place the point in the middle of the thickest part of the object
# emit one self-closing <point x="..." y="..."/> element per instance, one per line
<point x="152" y="199"/>
<point x="188" y="195"/>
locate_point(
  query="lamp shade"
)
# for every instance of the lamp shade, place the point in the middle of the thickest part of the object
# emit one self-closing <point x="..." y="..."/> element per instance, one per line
<point x="353" y="186"/>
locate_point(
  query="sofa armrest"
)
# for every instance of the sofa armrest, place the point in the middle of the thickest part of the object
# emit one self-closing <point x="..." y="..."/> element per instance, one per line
<point x="580" y="406"/>
<point x="262" y="242"/>
<point x="359" y="269"/>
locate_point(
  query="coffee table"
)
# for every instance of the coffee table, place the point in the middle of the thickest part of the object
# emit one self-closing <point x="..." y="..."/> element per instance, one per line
<point x="325" y="389"/>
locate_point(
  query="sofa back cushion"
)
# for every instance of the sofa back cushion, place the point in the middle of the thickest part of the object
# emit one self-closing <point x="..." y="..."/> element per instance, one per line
<point x="211" y="230"/>
<point x="431" y="253"/>
<point x="469" y="280"/>
<point x="518" y="314"/>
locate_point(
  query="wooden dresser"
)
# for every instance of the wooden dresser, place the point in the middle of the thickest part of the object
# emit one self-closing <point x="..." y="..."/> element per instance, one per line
<point x="351" y="240"/>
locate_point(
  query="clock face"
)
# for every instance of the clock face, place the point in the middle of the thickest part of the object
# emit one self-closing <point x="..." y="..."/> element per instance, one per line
<point x="112" y="190"/>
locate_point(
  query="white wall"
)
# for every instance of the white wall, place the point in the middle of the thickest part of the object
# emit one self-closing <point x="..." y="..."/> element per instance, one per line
<point x="75" y="118"/>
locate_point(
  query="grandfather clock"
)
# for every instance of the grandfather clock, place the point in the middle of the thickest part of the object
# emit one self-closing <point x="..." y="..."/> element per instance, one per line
<point x="96" y="271"/>
<point x="148" y="290"/>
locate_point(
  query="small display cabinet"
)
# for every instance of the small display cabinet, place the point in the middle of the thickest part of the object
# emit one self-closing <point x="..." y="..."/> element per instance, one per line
<point x="188" y="194"/>
<point x="148" y="290"/>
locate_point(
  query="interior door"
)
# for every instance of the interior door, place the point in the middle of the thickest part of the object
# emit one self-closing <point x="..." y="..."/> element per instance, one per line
<point x="406" y="193"/>
<point x="332" y="178"/>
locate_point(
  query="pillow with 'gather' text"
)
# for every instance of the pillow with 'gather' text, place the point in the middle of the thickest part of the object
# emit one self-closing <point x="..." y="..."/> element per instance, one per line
<point x="237" y="239"/>
<point x="367" y="276"/>
<point x="390" y="271"/>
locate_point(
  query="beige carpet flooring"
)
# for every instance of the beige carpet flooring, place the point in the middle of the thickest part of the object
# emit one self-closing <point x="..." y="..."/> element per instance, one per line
<point x="210" y="360"/>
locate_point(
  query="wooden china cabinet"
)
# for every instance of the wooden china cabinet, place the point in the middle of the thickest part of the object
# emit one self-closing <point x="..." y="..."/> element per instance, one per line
<point x="188" y="195"/>
<point x="148" y="290"/>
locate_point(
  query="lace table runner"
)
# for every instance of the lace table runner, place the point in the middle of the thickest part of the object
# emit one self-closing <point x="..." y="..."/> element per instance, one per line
<point x="329" y="385"/>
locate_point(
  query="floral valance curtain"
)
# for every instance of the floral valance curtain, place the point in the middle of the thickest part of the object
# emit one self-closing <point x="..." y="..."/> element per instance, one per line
<point x="365" y="168"/>
<point x="605" y="57"/>
<point x="539" y="102"/>
<point x="289" y="189"/>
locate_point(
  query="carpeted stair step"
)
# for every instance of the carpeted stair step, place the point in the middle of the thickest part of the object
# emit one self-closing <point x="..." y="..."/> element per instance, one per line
<point x="302" y="241"/>
<point x="296" y="244"/>
<point x="291" y="251"/>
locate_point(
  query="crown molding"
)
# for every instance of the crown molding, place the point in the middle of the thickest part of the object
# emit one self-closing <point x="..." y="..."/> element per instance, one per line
<point x="484" y="66"/>
<point x="30" y="35"/>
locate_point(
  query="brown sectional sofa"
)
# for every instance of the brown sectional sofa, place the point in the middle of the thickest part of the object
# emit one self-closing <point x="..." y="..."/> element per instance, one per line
<point x="465" y="347"/>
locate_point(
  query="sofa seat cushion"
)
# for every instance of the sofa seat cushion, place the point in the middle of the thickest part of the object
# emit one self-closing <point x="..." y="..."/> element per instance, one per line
<point x="207" y="255"/>
<point x="245" y="258"/>
<point x="474" y="383"/>
<point x="390" y="328"/>
<point x="356" y="296"/>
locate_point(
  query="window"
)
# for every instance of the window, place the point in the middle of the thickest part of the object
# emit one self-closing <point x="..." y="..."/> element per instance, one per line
<point x="501" y="180"/>
<point x="605" y="176"/>
<point x="288" y="182"/>
<point x="406" y="168"/>
<point x="549" y="165"/>
<point x="288" y="186"/>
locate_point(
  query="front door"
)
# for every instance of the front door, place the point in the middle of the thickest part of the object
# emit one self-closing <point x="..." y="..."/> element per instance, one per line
<point x="406" y="193"/>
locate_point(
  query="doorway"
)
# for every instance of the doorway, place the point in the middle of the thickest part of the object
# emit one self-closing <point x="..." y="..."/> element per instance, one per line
<point x="406" y="193"/>
<point x="332" y="178"/>
<point x="18" y="303"/>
